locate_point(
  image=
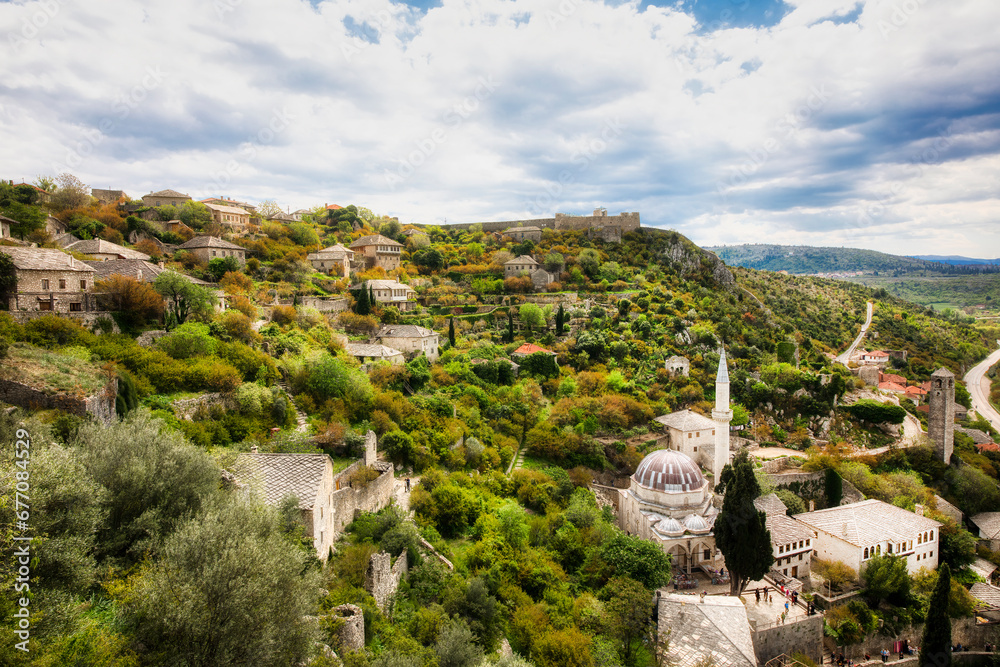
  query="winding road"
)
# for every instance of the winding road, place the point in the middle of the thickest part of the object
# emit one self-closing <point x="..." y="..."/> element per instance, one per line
<point x="979" y="386"/>
<point x="846" y="356"/>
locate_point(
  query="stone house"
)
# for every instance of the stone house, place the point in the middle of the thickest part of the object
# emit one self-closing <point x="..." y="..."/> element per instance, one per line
<point x="714" y="630"/>
<point x="54" y="226"/>
<point x="690" y="433"/>
<point x="877" y="357"/>
<point x="377" y="250"/>
<point x="393" y="293"/>
<point x="5" y="224"/>
<point x="207" y="248"/>
<point x="105" y="250"/>
<point x="988" y="524"/>
<point x="108" y="196"/>
<point x="791" y="541"/>
<point x="307" y="477"/>
<point x="529" y="233"/>
<point x="368" y="353"/>
<point x="411" y="339"/>
<point x="165" y="198"/>
<point x="678" y="366"/>
<point x="335" y="260"/>
<point x="222" y="201"/>
<point x="527" y="265"/>
<point x="50" y="280"/>
<point x="230" y="217"/>
<point x="856" y="532"/>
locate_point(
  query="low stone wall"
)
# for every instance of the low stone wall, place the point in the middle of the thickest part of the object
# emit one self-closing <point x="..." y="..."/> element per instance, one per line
<point x="964" y="631"/>
<point x="87" y="319"/>
<point x="100" y="406"/>
<point x="383" y="576"/>
<point x="348" y="501"/>
<point x="185" y="408"/>
<point x="148" y="338"/>
<point x="805" y="636"/>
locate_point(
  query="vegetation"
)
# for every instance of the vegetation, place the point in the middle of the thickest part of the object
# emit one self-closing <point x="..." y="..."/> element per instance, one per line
<point x="740" y="529"/>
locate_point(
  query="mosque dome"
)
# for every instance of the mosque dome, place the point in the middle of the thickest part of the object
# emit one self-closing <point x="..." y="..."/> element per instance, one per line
<point x="669" y="471"/>
<point x="670" y="527"/>
<point x="696" y="524"/>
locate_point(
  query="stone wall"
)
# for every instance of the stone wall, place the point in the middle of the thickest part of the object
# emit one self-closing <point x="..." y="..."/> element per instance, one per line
<point x="148" y="338"/>
<point x="813" y="485"/>
<point x="185" y="409"/>
<point x="562" y="221"/>
<point x="383" y="576"/>
<point x="805" y="636"/>
<point x="347" y="501"/>
<point x="101" y="406"/>
<point x="964" y="631"/>
<point x="86" y="318"/>
<point x="352" y="631"/>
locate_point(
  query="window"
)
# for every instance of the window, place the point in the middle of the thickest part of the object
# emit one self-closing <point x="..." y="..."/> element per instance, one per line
<point x="888" y="548"/>
<point x="213" y="253"/>
<point x="62" y="283"/>
<point x="866" y="553"/>
<point x="708" y="554"/>
<point x="878" y="549"/>
<point x="44" y="305"/>
<point x="800" y="557"/>
<point x="83" y="284"/>
<point x="76" y="307"/>
<point x="695" y="449"/>
<point x="920" y="538"/>
<point x="45" y="284"/>
<point x="689" y="435"/>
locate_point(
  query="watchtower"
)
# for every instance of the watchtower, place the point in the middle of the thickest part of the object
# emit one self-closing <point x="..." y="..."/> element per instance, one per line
<point x="941" y="421"/>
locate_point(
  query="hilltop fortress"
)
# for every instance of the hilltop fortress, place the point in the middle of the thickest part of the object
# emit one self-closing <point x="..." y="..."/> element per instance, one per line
<point x="608" y="227"/>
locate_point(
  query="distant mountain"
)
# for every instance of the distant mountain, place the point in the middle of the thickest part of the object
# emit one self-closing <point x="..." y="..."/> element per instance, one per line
<point x="956" y="260"/>
<point x="809" y="259"/>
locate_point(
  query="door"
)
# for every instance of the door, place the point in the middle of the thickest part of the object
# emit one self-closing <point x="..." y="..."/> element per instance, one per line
<point x="795" y="571"/>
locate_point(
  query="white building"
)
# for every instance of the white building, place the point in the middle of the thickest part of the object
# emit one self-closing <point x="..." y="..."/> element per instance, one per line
<point x="856" y="532"/>
<point x="791" y="541"/>
<point x="690" y="433"/>
<point x="411" y="339"/>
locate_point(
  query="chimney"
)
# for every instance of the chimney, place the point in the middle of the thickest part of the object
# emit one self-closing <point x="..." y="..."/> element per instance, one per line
<point x="845" y="528"/>
<point x="253" y="450"/>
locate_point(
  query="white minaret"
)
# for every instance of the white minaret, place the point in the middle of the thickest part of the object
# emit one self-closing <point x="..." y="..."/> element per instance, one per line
<point x="722" y="416"/>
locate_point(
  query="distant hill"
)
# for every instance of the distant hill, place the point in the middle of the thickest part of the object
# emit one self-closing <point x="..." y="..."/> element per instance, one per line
<point x="809" y="259"/>
<point x="956" y="260"/>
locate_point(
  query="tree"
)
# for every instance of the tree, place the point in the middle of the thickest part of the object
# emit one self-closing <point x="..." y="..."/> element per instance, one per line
<point x="509" y="337"/>
<point x="958" y="546"/>
<point x="935" y="645"/>
<point x="834" y="487"/>
<point x="560" y="320"/>
<point x="553" y="262"/>
<point x="428" y="258"/>
<point x="362" y="305"/>
<point x="184" y="298"/>
<point x="590" y="261"/>
<point x="886" y="578"/>
<point x="740" y="529"/>
<point x="28" y="218"/>
<point x="220" y="266"/>
<point x="71" y="193"/>
<point x="451" y="331"/>
<point x="269" y="209"/>
<point x="531" y="316"/>
<point x="135" y="301"/>
<point x="638" y="559"/>
<point x="197" y="603"/>
<point x="455" y="646"/>
<point x="628" y="612"/>
<point x="8" y="280"/>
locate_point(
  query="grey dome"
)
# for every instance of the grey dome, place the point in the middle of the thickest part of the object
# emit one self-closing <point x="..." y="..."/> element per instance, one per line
<point x="669" y="471"/>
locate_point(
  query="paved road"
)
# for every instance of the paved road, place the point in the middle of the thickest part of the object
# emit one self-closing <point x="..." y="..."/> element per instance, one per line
<point x="846" y="356"/>
<point x="979" y="386"/>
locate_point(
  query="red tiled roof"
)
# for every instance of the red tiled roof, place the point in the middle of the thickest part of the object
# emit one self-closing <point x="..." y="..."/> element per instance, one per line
<point x="333" y="207"/>
<point x="891" y="386"/>
<point x="988" y="447"/>
<point x="916" y="391"/>
<point x="531" y="348"/>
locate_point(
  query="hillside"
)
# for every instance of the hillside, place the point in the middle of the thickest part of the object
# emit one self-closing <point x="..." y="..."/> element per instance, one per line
<point x="977" y="295"/>
<point x="956" y="260"/>
<point x="810" y="260"/>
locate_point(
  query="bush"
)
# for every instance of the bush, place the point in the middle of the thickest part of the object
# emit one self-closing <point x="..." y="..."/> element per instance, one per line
<point x="874" y="412"/>
<point x="212" y="375"/>
<point x="357" y="324"/>
<point x="51" y="331"/>
<point x="283" y="315"/>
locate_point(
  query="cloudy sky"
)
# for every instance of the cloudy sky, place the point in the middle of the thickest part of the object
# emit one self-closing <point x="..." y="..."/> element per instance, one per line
<point x="822" y="122"/>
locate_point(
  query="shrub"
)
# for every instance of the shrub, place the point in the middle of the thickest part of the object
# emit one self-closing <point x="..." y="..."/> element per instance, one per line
<point x="212" y="375"/>
<point x="283" y="315"/>
<point x="357" y="324"/>
<point x="52" y="330"/>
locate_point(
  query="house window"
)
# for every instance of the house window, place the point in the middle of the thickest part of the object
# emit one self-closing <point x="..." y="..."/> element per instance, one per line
<point x="83" y="284"/>
<point x="708" y="554"/>
<point x="76" y="307"/>
<point x="45" y="284"/>
<point x="62" y="283"/>
<point x="695" y="448"/>
<point x="44" y="305"/>
<point x="866" y="553"/>
<point x="920" y="539"/>
<point x="689" y="435"/>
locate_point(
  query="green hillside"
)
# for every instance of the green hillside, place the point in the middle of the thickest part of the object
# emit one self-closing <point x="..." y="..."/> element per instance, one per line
<point x="809" y="260"/>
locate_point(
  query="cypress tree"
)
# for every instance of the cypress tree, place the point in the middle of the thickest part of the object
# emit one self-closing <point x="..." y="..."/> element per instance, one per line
<point x="451" y="331"/>
<point x="935" y="645"/>
<point x="510" y="327"/>
<point x="363" y="306"/>
<point x="834" y="488"/>
<point x="560" y="320"/>
<point x="741" y="529"/>
<point x="371" y="296"/>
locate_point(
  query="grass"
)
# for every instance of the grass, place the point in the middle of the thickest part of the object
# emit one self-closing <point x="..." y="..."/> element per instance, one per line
<point x="52" y="371"/>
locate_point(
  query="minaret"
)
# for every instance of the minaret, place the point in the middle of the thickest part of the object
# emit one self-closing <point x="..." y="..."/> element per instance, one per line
<point x="722" y="416"/>
<point x="941" y="419"/>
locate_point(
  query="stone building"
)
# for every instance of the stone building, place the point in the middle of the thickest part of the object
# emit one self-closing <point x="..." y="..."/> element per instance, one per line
<point x="5" y="224"/>
<point x="377" y="250"/>
<point x="988" y="524"/>
<point x="393" y="293"/>
<point x="108" y="196"/>
<point x="411" y="339"/>
<point x="335" y="260"/>
<point x="856" y="532"/>
<point x="307" y="477"/>
<point x="50" y="280"/>
<point x="669" y="502"/>
<point x="791" y="541"/>
<point x="207" y="248"/>
<point x="690" y="433"/>
<point x="941" y="420"/>
<point x="230" y="217"/>
<point x="105" y="250"/>
<point x="526" y="265"/>
<point x="369" y="353"/>
<point x="529" y="233"/>
<point x="678" y="366"/>
<point x="711" y="630"/>
<point x="165" y="198"/>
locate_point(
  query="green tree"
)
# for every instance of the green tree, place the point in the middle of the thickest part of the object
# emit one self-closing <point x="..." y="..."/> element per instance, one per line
<point x="8" y="280"/>
<point x="428" y="258"/>
<point x="269" y="209"/>
<point x="28" y="218"/>
<point x="553" y="262"/>
<point x="740" y="529"/>
<point x="362" y="305"/>
<point x="71" y="193"/>
<point x="531" y="315"/>
<point x="220" y="266"/>
<point x="560" y="320"/>
<point x="451" y="331"/>
<point x="638" y="559"/>
<point x="590" y="261"/>
<point x="886" y="578"/>
<point x="456" y="647"/>
<point x="211" y="599"/>
<point x="834" y="488"/>
<point x="935" y="645"/>
<point x="958" y="546"/>
<point x="628" y="612"/>
<point x="184" y="298"/>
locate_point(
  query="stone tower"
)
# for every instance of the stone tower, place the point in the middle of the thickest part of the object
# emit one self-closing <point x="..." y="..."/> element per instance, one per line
<point x="941" y="422"/>
<point x="722" y="416"/>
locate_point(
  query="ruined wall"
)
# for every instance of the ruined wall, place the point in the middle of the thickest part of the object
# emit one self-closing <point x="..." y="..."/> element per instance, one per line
<point x="346" y="501"/>
<point x="101" y="406"/>
<point x="813" y="485"/>
<point x="185" y="409"/>
<point x="383" y="576"/>
<point x="352" y="630"/>
<point x="624" y="221"/>
<point x="964" y="631"/>
<point x="805" y="636"/>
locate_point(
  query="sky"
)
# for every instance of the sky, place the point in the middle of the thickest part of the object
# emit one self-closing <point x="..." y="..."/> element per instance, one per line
<point x="872" y="124"/>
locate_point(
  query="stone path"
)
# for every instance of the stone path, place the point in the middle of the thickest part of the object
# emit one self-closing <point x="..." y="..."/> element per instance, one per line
<point x="301" y="422"/>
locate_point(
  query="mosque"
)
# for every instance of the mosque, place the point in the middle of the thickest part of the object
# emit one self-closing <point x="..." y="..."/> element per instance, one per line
<point x="670" y="502"/>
